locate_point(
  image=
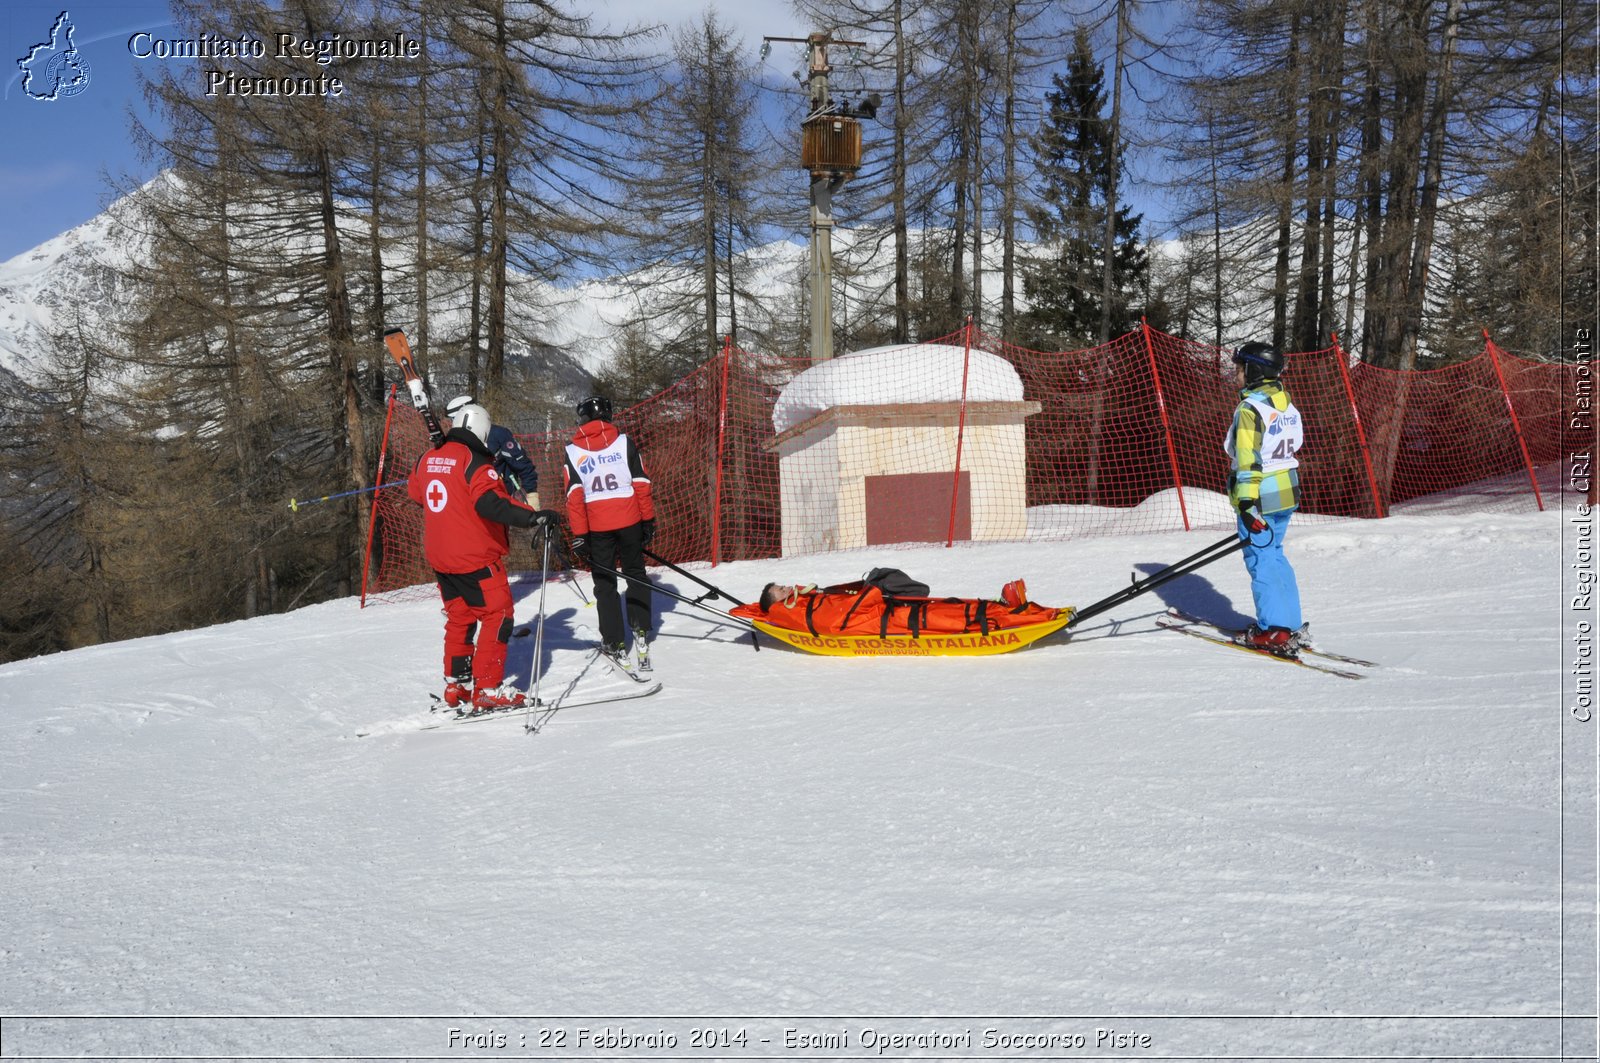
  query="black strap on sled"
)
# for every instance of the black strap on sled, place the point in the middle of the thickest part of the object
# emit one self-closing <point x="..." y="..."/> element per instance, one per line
<point x="916" y="616"/>
<point x="860" y="597"/>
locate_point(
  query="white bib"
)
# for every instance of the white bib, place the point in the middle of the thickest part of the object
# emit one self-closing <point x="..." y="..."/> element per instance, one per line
<point x="1284" y="435"/>
<point x="604" y="472"/>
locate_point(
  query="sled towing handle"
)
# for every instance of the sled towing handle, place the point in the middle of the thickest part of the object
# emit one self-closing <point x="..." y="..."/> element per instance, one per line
<point x="595" y="566"/>
<point x="714" y="591"/>
<point x="1199" y="559"/>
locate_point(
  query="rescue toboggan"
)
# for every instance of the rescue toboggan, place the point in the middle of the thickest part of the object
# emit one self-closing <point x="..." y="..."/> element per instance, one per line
<point x="926" y="644"/>
<point x="926" y="627"/>
<point x="861" y="620"/>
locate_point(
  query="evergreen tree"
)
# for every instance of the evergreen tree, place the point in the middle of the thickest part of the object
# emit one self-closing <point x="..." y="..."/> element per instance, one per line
<point x="1074" y="159"/>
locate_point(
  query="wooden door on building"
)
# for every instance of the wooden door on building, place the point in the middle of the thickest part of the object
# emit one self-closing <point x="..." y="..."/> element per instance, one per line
<point x="915" y="508"/>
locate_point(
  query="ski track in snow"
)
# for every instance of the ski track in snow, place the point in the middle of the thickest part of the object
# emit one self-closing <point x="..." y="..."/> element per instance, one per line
<point x="1124" y="823"/>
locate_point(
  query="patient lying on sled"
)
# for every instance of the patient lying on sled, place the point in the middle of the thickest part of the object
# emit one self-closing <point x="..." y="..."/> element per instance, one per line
<point x="888" y="602"/>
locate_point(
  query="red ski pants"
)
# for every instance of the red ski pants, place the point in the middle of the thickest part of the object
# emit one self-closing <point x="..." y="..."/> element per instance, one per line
<point x="474" y="601"/>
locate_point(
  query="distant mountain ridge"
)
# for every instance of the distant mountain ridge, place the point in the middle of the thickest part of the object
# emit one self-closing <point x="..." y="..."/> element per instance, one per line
<point x="83" y="269"/>
<point x="577" y="326"/>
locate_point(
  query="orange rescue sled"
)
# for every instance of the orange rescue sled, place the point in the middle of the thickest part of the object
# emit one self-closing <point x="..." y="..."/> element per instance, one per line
<point x="859" y="621"/>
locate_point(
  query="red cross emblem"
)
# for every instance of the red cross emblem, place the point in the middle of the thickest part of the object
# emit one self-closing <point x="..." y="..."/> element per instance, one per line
<point x="437" y="496"/>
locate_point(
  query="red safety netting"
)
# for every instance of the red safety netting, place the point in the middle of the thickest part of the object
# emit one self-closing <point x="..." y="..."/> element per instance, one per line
<point x="972" y="438"/>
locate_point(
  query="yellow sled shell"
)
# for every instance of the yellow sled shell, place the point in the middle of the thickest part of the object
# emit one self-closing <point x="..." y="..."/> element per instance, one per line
<point x="970" y="644"/>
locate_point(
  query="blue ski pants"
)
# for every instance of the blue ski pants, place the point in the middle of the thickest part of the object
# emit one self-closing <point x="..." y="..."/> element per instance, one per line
<point x="1272" y="582"/>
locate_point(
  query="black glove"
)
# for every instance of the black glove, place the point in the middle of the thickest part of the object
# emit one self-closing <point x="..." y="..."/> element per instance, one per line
<point x="649" y="532"/>
<point x="546" y="523"/>
<point x="579" y="546"/>
<point x="1250" y="513"/>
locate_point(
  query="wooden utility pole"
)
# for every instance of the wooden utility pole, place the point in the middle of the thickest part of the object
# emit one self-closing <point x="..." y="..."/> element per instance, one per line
<point x="831" y="151"/>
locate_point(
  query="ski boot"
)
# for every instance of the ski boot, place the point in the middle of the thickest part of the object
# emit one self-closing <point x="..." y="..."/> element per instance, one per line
<point x="1278" y="641"/>
<point x="490" y="699"/>
<point x="641" y="649"/>
<point x="457" y="692"/>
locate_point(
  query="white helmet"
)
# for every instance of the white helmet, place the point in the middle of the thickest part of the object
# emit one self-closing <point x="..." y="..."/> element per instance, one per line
<point x="471" y="416"/>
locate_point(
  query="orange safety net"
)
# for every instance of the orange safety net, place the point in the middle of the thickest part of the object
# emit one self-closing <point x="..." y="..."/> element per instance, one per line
<point x="972" y="438"/>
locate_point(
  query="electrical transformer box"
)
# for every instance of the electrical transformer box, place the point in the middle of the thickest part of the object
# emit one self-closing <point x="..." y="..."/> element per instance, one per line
<point x="831" y="144"/>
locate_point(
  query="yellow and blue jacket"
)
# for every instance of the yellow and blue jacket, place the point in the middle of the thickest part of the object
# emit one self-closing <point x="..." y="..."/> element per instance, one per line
<point x="1266" y="432"/>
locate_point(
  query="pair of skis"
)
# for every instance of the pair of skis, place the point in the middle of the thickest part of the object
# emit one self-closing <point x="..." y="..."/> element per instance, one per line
<point x="540" y="711"/>
<point x="537" y="714"/>
<point x="1326" y="662"/>
<point x="646" y="686"/>
<point x="400" y="350"/>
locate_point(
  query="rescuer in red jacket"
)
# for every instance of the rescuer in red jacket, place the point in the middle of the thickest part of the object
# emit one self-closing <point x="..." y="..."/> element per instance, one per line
<point x="466" y="514"/>
<point x="613" y="519"/>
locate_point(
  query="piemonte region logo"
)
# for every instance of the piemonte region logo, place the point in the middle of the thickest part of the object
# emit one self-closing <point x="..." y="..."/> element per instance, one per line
<point x="55" y="69"/>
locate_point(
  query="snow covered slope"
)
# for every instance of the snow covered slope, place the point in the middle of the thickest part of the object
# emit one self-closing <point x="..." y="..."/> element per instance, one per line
<point x="1129" y="831"/>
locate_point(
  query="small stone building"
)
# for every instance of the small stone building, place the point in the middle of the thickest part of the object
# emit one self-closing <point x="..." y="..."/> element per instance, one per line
<point x="867" y="449"/>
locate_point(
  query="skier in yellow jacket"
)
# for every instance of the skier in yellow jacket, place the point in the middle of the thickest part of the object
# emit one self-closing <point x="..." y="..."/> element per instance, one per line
<point x="1264" y="485"/>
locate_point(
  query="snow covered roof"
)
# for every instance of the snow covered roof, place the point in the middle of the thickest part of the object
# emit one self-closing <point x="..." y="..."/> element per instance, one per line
<point x="895" y="376"/>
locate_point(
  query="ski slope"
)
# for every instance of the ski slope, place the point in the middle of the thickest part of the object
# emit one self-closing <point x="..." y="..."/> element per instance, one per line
<point x="1130" y="831"/>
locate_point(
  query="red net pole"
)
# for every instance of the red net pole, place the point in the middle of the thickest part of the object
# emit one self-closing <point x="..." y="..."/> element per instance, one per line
<point x="1361" y="432"/>
<point x="961" y="429"/>
<point x="1166" y="425"/>
<point x="1516" y="425"/>
<point x="722" y="427"/>
<point x="372" y="505"/>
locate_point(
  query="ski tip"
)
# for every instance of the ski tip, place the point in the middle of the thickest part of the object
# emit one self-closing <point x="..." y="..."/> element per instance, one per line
<point x="393" y="331"/>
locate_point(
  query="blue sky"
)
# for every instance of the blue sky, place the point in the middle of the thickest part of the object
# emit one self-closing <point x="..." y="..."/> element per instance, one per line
<point x="54" y="174"/>
<point x="65" y="156"/>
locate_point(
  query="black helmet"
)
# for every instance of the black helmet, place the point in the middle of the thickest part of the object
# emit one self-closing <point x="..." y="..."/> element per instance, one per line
<point x="594" y="408"/>
<point x="1261" y="361"/>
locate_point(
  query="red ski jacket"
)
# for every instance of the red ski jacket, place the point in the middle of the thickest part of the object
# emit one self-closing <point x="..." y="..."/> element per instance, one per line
<point x="607" y="486"/>
<point x="466" y="507"/>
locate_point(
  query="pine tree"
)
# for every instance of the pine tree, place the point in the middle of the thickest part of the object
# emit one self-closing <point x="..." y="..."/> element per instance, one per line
<point x="1073" y="159"/>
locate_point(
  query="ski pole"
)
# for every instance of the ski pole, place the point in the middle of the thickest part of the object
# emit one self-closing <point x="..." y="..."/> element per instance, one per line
<point x="715" y="590"/>
<point x="1201" y="558"/>
<point x="295" y="504"/>
<point x="739" y="620"/>
<point x="538" y="637"/>
<point x="1219" y="549"/>
<point x="569" y="576"/>
<point x="572" y="581"/>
